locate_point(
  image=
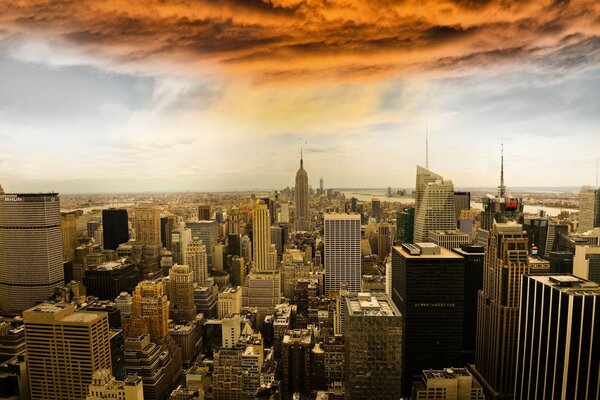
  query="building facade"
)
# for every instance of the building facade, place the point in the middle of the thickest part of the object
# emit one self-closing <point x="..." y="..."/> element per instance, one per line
<point x="31" y="255"/>
<point x="434" y="204"/>
<point x="558" y="341"/>
<point x="64" y="349"/>
<point x="342" y="251"/>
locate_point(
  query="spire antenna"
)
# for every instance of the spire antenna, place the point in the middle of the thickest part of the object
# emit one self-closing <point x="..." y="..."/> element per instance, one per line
<point x="502" y="188"/>
<point x="427" y="147"/>
<point x="596" y="173"/>
<point x="301" y="161"/>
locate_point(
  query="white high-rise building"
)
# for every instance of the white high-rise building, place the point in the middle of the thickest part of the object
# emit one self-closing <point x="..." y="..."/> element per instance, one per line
<point x="301" y="217"/>
<point x="261" y="238"/>
<point x="197" y="259"/>
<point x="231" y="330"/>
<point x="342" y="251"/>
<point x="434" y="204"/>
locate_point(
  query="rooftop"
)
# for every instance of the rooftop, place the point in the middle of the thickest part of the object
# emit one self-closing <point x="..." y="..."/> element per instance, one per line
<point x="371" y="304"/>
<point x="443" y="252"/>
<point x="448" y="373"/>
<point x="569" y="284"/>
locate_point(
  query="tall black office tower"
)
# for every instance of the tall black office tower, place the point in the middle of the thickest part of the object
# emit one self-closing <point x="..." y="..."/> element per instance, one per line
<point x="474" y="256"/>
<point x="115" y="228"/>
<point x="427" y="288"/>
<point x="559" y="338"/>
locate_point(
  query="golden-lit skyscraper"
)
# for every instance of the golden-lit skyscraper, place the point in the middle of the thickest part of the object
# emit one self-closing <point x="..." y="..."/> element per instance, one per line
<point x="31" y="254"/>
<point x="197" y="259"/>
<point x="301" y="217"/>
<point x="261" y="238"/>
<point x="147" y="223"/>
<point x="181" y="294"/>
<point x="434" y="204"/>
<point x="64" y="349"/>
<point x="589" y="209"/>
<point x="498" y="310"/>
<point x="149" y="312"/>
<point x="68" y="229"/>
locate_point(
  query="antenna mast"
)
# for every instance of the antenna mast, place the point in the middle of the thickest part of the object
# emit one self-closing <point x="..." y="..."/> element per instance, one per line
<point x="427" y="147"/>
<point x="502" y="188"/>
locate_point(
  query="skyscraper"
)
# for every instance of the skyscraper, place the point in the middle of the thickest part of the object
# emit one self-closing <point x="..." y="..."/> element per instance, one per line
<point x="197" y="259"/>
<point x="149" y="312"/>
<point x="147" y="223"/>
<point x="31" y="256"/>
<point x="474" y="256"/>
<point x="180" y="240"/>
<point x="500" y="208"/>
<point x="180" y="289"/>
<point x="498" y="310"/>
<point x="462" y="201"/>
<point x="373" y="347"/>
<point x="342" y="251"/>
<point x="589" y="209"/>
<point x="64" y="349"/>
<point x="204" y="212"/>
<point x="428" y="289"/>
<point x="68" y="227"/>
<point x="434" y="204"/>
<point x="208" y="232"/>
<point x="321" y="186"/>
<point x="301" y="218"/>
<point x="261" y="238"/>
<point x="384" y="240"/>
<point x="115" y="228"/>
<point x="405" y="226"/>
<point x="558" y="341"/>
<point x="376" y="209"/>
<point x="586" y="262"/>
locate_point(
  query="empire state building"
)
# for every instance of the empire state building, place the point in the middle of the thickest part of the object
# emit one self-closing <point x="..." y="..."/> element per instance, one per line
<point x="301" y="198"/>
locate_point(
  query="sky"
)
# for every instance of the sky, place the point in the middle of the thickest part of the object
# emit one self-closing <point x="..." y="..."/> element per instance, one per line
<point x="192" y="95"/>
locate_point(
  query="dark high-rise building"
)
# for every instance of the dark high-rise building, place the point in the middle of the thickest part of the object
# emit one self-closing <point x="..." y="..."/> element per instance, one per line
<point x="498" y="310"/>
<point x="405" y="226"/>
<point x="554" y="232"/>
<point x="474" y="256"/>
<point x="373" y="348"/>
<point x="31" y="253"/>
<point x="462" y="201"/>
<point x="536" y="229"/>
<point x="376" y="209"/>
<point x="204" y="212"/>
<point x="106" y="281"/>
<point x="167" y="225"/>
<point x="500" y="208"/>
<point x="428" y="289"/>
<point x="561" y="262"/>
<point x="295" y="362"/>
<point x="558" y="342"/>
<point x="115" y="228"/>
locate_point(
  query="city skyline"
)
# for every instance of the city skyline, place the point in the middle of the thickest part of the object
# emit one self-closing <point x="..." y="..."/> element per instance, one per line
<point x="123" y="97"/>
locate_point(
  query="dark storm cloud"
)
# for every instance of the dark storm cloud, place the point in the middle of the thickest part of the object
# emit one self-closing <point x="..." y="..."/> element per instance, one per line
<point x="343" y="39"/>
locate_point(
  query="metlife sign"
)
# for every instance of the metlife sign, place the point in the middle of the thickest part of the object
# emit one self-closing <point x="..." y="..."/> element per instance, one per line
<point x="29" y="198"/>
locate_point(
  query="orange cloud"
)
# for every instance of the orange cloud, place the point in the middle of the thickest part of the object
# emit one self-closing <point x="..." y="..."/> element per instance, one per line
<point x="298" y="40"/>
